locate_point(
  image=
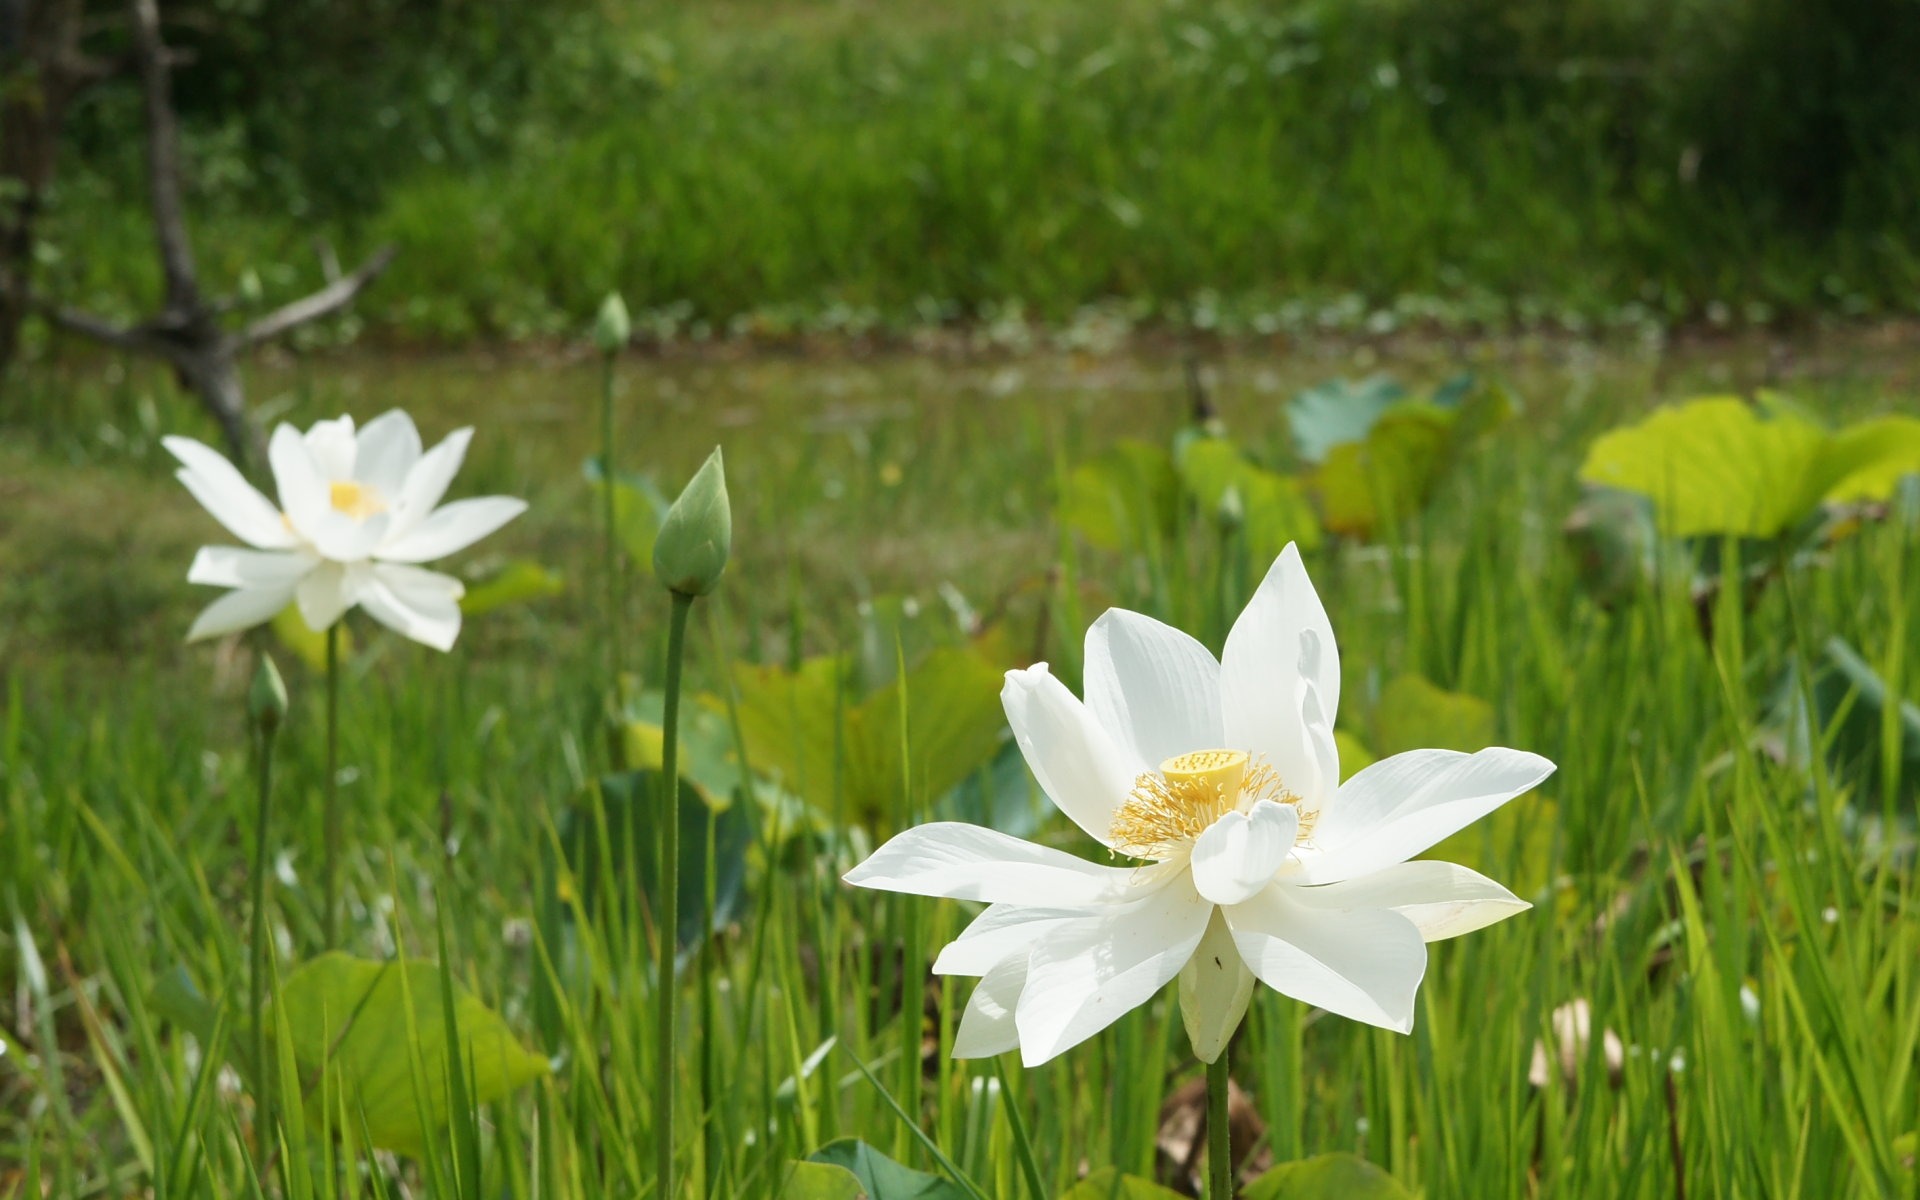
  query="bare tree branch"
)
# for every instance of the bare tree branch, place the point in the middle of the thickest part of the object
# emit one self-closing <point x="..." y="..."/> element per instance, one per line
<point x="135" y="339"/>
<point x="330" y="299"/>
<point x="163" y="159"/>
<point x="188" y="330"/>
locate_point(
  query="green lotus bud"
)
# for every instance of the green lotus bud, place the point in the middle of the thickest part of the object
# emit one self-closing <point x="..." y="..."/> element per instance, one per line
<point x="612" y="327"/>
<point x="267" y="698"/>
<point x="697" y="536"/>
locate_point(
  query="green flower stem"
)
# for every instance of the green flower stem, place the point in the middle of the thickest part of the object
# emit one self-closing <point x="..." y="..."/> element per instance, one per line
<point x="610" y="548"/>
<point x="668" y="926"/>
<point x="330" y="804"/>
<point x="1219" y="1132"/>
<point x="257" y="961"/>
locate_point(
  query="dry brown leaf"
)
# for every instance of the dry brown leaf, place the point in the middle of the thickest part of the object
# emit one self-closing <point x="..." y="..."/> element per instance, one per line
<point x="1572" y="1034"/>
<point x="1182" y="1139"/>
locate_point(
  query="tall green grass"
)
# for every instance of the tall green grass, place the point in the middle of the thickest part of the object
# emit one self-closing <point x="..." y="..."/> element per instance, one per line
<point x="789" y="168"/>
<point x="1749" y="937"/>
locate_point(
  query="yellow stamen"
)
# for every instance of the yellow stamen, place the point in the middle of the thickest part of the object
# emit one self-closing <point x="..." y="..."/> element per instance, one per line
<point x="1168" y="809"/>
<point x="355" y="499"/>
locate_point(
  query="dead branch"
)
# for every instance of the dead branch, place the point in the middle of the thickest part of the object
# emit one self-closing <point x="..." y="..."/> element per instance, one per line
<point x="188" y="330"/>
<point x="328" y="300"/>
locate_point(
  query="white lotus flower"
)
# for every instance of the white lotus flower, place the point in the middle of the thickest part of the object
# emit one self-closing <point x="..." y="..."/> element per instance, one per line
<point x="1223" y="779"/>
<point x="357" y="513"/>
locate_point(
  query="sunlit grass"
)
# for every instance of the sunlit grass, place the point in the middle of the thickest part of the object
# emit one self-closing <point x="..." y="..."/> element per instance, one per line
<point x="780" y="170"/>
<point x="1748" y="934"/>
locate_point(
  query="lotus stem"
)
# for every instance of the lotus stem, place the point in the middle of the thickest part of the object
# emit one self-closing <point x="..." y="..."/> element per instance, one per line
<point x="667" y="927"/>
<point x="265" y="731"/>
<point x="1219" y="1132"/>
<point x="610" y="547"/>
<point x="330" y="803"/>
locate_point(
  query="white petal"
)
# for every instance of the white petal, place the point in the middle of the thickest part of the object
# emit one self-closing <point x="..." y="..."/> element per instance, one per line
<point x="998" y="933"/>
<point x="344" y="538"/>
<point x="452" y="527"/>
<point x="422" y="605"/>
<point x="1260" y="670"/>
<point x="1442" y="899"/>
<point x="1155" y="689"/>
<point x="1076" y="762"/>
<point x="1215" y="988"/>
<point x="1239" y="854"/>
<point x="1323" y="753"/>
<point x="332" y="443"/>
<point x="232" y="567"/>
<point x="304" y="493"/>
<point x="223" y="492"/>
<point x="241" y="609"/>
<point x="328" y="591"/>
<point x="427" y="482"/>
<point x="1087" y="974"/>
<point x="1361" y="964"/>
<point x="965" y="862"/>
<point x="1399" y="806"/>
<point x="987" y="1026"/>
<point x="389" y="445"/>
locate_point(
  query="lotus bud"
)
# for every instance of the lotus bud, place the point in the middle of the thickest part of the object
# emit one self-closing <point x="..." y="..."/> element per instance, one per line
<point x="267" y="698"/>
<point x="697" y="537"/>
<point x="612" y="327"/>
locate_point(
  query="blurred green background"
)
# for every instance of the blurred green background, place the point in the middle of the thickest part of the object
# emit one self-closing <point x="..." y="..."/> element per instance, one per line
<point x="784" y="167"/>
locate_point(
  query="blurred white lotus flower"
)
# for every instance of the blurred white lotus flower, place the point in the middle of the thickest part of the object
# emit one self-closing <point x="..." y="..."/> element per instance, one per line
<point x="357" y="513"/>
<point x="1223" y="779"/>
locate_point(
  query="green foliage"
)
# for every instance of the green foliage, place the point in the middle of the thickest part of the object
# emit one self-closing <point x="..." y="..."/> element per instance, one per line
<point x="1171" y="509"/>
<point x="1397" y="451"/>
<point x="1387" y="475"/>
<point x="1326" y="1177"/>
<point x="1714" y="466"/>
<point x="1614" y="543"/>
<point x="1868" y="739"/>
<point x="1110" y="1184"/>
<point x="317" y="104"/>
<point x="1412" y="712"/>
<point x="638" y="509"/>
<point x="1267" y="509"/>
<point x="842" y="751"/>
<point x="1339" y="411"/>
<point x="821" y="1181"/>
<point x="601" y="845"/>
<point x="881" y="1178"/>
<point x="1127" y="498"/>
<point x="516" y="583"/>
<point x="1717" y="466"/>
<point x="1716" y="895"/>
<point x="1867" y="461"/>
<point x="1393" y="164"/>
<point x="376" y="1032"/>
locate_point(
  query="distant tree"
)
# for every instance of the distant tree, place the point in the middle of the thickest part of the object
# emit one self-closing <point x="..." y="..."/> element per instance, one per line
<point x="42" y="71"/>
<point x="190" y="331"/>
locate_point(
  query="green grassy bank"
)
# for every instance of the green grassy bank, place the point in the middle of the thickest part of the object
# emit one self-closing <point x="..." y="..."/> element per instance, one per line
<point x="832" y="166"/>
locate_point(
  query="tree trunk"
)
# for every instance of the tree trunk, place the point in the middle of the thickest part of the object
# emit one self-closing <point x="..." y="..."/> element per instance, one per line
<point x="187" y="331"/>
<point x="212" y="375"/>
<point x="41" y="71"/>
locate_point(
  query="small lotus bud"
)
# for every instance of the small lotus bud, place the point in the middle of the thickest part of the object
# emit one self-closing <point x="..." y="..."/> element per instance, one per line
<point x="1232" y="513"/>
<point x="697" y="536"/>
<point x="267" y="698"/>
<point x="612" y="327"/>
